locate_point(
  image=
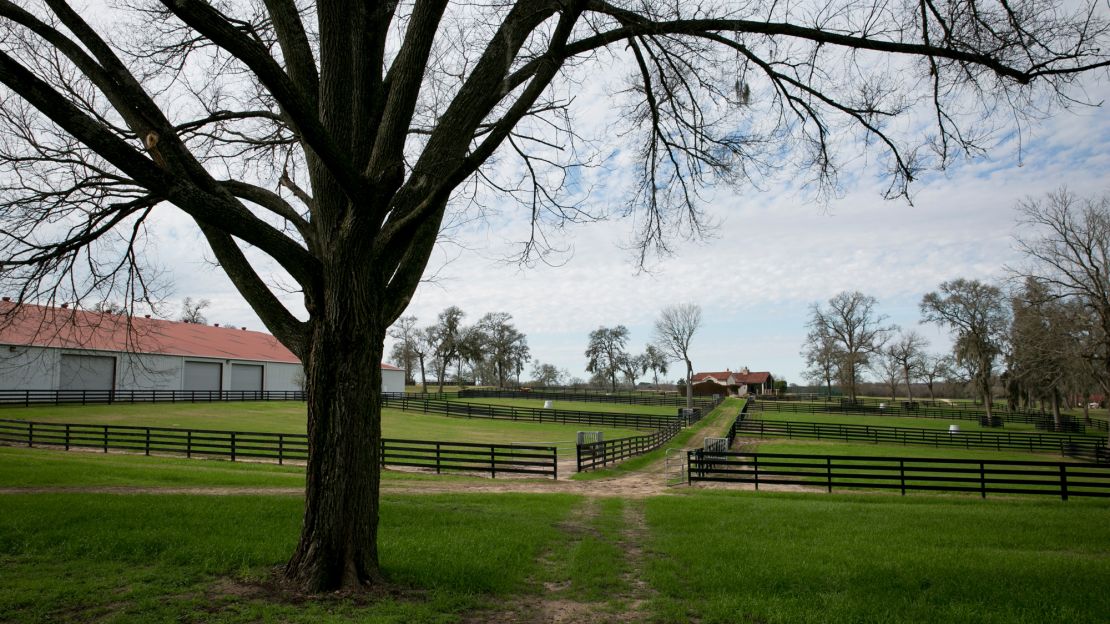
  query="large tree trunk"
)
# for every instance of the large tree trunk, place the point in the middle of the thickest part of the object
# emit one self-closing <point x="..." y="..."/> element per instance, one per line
<point x="338" y="543"/>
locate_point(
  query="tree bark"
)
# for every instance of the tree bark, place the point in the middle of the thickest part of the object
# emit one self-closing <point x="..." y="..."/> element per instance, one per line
<point x="338" y="542"/>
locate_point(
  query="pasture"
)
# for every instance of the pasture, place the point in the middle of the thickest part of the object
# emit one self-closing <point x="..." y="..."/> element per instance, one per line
<point x="695" y="555"/>
<point x="125" y="538"/>
<point x="290" y="417"/>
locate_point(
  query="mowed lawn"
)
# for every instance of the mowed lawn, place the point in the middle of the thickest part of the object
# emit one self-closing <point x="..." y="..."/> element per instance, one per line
<point x="913" y="423"/>
<point x="290" y="417"/>
<point x="782" y="558"/>
<point x="579" y="406"/>
<point x="704" y="556"/>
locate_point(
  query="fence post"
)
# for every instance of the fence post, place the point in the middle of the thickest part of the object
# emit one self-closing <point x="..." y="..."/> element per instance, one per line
<point x="902" y="475"/>
<point x="30" y="435"/>
<point x="189" y="443"/>
<point x="67" y="436"/>
<point x="281" y="449"/>
<point x="105" y="438"/>
<point x="982" y="480"/>
<point x="147" y="448"/>
<point x="828" y="472"/>
<point x="492" y="464"/>
<point x="232" y="446"/>
<point x="1063" y="482"/>
<point x="756" y="457"/>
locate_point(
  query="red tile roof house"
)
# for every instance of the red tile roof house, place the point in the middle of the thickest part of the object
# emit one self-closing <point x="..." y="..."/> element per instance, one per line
<point x="737" y="383"/>
<point x="60" y="348"/>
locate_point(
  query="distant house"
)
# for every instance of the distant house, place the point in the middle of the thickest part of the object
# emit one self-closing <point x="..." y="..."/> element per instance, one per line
<point x="735" y="383"/>
<point x="59" y="348"/>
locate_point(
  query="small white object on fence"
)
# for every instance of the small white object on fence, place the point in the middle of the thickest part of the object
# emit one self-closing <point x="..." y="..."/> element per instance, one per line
<point x="548" y="404"/>
<point x="953" y="428"/>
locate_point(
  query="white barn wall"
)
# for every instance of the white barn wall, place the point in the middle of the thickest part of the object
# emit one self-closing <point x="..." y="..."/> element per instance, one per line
<point x="37" y="368"/>
<point x="393" y="380"/>
<point x="144" y="371"/>
<point x="28" y="368"/>
<point x="283" y="377"/>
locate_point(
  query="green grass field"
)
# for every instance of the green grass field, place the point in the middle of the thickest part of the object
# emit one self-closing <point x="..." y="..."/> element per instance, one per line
<point x="891" y="421"/>
<point x="579" y="406"/>
<point x="289" y="417"/>
<point x="745" y="557"/>
<point x="691" y="555"/>
<point x="710" y="557"/>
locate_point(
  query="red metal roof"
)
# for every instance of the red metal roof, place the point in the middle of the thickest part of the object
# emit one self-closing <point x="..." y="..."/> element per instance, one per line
<point x="65" y="328"/>
<point x="739" y="378"/>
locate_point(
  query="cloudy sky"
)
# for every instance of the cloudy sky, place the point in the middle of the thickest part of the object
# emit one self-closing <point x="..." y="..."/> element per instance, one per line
<point x="775" y="252"/>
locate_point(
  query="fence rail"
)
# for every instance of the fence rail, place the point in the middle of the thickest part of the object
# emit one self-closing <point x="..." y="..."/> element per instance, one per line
<point x="534" y="414"/>
<point x="280" y="447"/>
<point x="600" y="454"/>
<point x="1085" y="447"/>
<point x="981" y="476"/>
<point x="27" y="398"/>
<point x="594" y="397"/>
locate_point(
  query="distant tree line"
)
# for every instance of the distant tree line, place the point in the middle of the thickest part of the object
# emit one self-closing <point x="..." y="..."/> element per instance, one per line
<point x="1039" y="338"/>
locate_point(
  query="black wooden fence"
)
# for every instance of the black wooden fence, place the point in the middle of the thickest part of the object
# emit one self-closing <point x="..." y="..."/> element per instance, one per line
<point x="980" y="476"/>
<point x="705" y="403"/>
<point x="947" y="413"/>
<point x="280" y="447"/>
<point x="28" y="398"/>
<point x="1085" y="447"/>
<point x="595" y="454"/>
<point x="461" y="409"/>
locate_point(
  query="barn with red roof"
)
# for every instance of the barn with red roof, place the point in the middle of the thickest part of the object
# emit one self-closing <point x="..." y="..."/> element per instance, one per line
<point x="734" y="383"/>
<point x="61" y="348"/>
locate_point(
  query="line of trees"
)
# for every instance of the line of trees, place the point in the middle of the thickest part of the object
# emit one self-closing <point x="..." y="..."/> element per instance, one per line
<point x="608" y="359"/>
<point x="490" y="352"/>
<point x="1041" y="336"/>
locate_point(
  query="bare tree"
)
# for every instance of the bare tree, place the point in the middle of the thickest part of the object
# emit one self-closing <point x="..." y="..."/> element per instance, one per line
<point x="1068" y="244"/>
<point x="331" y="138"/>
<point x="935" y="368"/>
<point x="886" y="364"/>
<point x="977" y="313"/>
<point x="547" y="375"/>
<point x="823" y="358"/>
<point x="654" y="360"/>
<point x="674" y="330"/>
<point x="857" y="329"/>
<point x="192" y="311"/>
<point x="405" y="332"/>
<point x="909" y="350"/>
